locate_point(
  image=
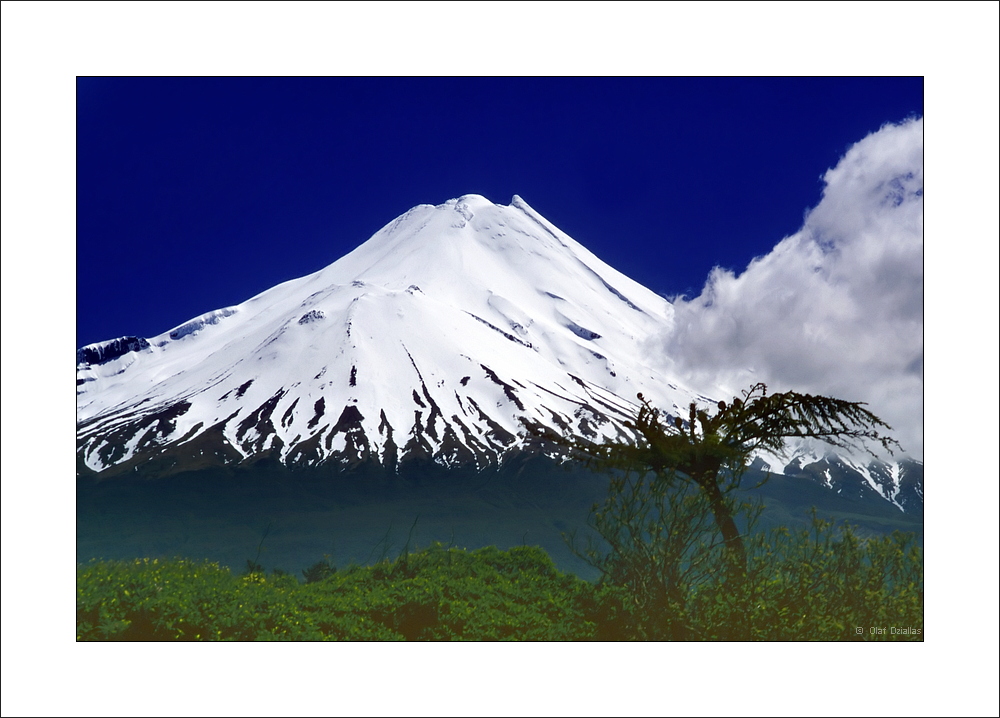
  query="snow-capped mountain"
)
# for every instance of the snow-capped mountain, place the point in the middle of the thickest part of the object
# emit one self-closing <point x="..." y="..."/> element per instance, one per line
<point x="451" y="336"/>
<point x="900" y="482"/>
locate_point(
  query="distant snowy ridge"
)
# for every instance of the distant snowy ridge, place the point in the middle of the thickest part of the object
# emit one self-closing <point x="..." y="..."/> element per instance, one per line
<point x="453" y="336"/>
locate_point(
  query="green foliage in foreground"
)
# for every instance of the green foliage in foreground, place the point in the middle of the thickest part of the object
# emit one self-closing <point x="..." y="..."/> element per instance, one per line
<point x="434" y="594"/>
<point x="680" y="581"/>
<point x="818" y="585"/>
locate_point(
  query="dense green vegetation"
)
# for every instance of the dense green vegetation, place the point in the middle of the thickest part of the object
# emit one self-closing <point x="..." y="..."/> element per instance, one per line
<point x="819" y="585"/>
<point x="435" y="594"/>
<point x="678" y="580"/>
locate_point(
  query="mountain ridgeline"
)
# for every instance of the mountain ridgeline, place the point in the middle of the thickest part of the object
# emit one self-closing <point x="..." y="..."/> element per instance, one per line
<point x="455" y="337"/>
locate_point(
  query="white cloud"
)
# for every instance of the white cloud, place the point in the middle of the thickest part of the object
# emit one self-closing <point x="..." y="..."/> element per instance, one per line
<point x="835" y="309"/>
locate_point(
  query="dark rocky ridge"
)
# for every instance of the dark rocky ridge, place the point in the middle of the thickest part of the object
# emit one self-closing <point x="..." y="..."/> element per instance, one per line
<point x="108" y="351"/>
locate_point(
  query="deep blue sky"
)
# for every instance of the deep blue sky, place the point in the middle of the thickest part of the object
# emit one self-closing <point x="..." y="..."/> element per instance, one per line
<point x="194" y="194"/>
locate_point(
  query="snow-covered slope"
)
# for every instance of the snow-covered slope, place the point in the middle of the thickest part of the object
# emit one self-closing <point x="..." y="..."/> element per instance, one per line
<point x="442" y="337"/>
<point x="446" y="337"/>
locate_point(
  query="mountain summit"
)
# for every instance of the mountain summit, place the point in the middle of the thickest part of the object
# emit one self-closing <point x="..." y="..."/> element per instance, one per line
<point x="442" y="338"/>
<point x="450" y="337"/>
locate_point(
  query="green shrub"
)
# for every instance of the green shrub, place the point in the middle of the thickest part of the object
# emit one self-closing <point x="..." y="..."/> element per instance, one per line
<point x="152" y="600"/>
<point x="435" y="594"/>
<point x="319" y="570"/>
<point x="452" y="594"/>
<point x="822" y="583"/>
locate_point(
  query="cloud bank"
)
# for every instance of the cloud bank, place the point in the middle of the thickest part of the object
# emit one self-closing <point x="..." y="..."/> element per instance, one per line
<point x="836" y="308"/>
